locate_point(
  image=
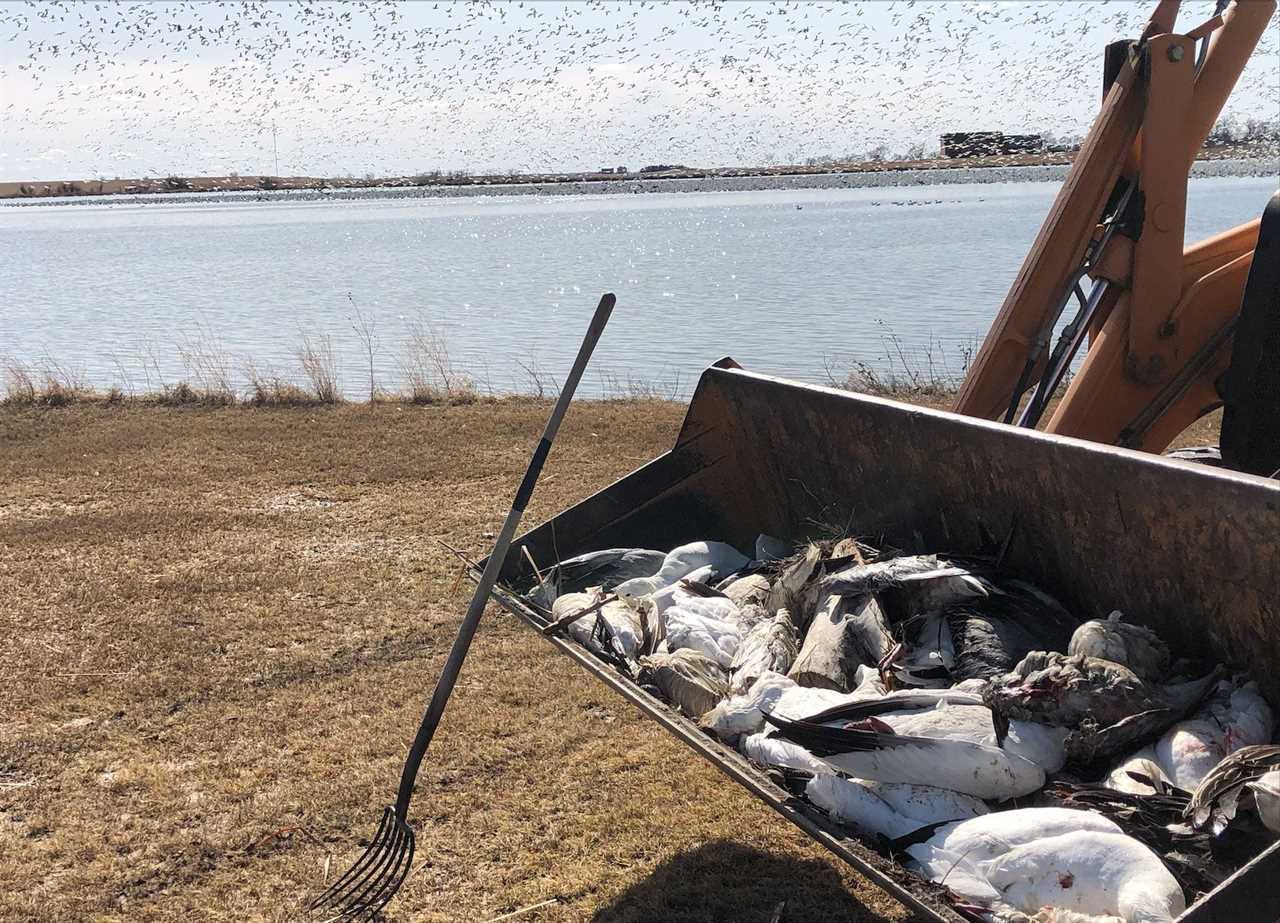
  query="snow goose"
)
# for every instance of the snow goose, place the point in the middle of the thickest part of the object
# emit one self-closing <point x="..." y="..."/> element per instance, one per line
<point x="596" y="568"/>
<point x="991" y="634"/>
<point x="744" y="714"/>
<point x="680" y="562"/>
<point x="1136" y="646"/>
<point x="981" y="770"/>
<point x="1123" y="778"/>
<point x="690" y="681"/>
<point x="956" y="714"/>
<point x="668" y="596"/>
<point x="888" y="809"/>
<point x="623" y="624"/>
<point x="1033" y="859"/>
<point x="920" y="583"/>
<point x="1235" y="716"/>
<point x="770" y="645"/>
<point x="774" y="751"/>
<point x="926" y="656"/>
<point x="753" y="588"/>
<point x="1109" y="706"/>
<point x="709" y="625"/>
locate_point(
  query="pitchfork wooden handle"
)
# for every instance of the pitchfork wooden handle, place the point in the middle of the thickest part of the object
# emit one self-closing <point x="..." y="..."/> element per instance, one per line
<point x="467" y="631"/>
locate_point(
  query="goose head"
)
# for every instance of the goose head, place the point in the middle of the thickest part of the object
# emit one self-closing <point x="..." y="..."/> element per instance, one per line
<point x="629" y="591"/>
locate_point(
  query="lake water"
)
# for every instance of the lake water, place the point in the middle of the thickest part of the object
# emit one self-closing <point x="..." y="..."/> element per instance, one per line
<point x="801" y="282"/>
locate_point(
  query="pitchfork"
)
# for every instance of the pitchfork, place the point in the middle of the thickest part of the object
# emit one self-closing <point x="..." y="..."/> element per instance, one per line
<point x="378" y="874"/>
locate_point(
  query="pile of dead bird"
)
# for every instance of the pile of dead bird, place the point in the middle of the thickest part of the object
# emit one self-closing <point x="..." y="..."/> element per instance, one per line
<point x="1038" y="766"/>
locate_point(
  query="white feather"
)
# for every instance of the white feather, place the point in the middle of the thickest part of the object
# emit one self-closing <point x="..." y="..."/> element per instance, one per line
<point x="957" y="716"/>
<point x="773" y="751"/>
<point x="688" y="627"/>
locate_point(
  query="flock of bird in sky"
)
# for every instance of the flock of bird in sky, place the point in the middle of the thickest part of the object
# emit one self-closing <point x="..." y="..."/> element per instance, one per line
<point x="115" y="89"/>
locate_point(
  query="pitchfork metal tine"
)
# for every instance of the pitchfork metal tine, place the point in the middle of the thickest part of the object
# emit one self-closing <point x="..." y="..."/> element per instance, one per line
<point x="383" y="867"/>
<point x="399" y="873"/>
<point x="351" y="902"/>
<point x="332" y="896"/>
<point x="383" y="873"/>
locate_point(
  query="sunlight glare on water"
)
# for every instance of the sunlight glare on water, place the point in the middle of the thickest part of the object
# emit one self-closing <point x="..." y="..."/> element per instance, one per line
<point x="798" y="282"/>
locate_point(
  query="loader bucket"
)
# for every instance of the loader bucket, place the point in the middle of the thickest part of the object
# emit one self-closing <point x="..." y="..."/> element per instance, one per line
<point x="1191" y="551"/>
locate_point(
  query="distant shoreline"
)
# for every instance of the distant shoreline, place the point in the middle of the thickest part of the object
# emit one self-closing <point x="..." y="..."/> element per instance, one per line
<point x="444" y="184"/>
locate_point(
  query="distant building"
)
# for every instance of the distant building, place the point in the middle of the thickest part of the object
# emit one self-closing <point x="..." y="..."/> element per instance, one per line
<point x="622" y="170"/>
<point x="609" y="170"/>
<point x="988" y="144"/>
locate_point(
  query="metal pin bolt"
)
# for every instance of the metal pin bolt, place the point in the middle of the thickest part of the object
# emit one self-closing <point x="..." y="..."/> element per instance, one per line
<point x="1175" y="53"/>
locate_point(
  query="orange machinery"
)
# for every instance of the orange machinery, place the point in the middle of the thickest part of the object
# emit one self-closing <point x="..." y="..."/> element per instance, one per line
<point x="1159" y="318"/>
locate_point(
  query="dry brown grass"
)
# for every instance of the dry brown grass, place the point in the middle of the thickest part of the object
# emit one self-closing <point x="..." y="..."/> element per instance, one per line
<point x="219" y="624"/>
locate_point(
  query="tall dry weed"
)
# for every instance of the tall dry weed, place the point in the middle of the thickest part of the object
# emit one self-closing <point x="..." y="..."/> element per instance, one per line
<point x="366" y="331"/>
<point x="208" y="365"/>
<point x="320" y="365"/>
<point x="428" y="368"/>
<point x="19" y="383"/>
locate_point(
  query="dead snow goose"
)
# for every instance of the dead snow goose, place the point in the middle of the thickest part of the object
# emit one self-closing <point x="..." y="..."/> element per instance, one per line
<point x="1109" y="706"/>
<point x="1031" y="859"/>
<point x="679" y="562"/>
<point x="744" y="714"/>
<point x="955" y="714"/>
<point x="888" y="809"/>
<point x="769" y="645"/>
<point x="753" y="588"/>
<point x="596" y="568"/>
<point x="623" y="623"/>
<point x="991" y="634"/>
<point x="1124" y="777"/>
<point x="668" y="596"/>
<point x="980" y="770"/>
<point x="922" y="583"/>
<point x="708" y="625"/>
<point x="774" y="751"/>
<point x="687" y="679"/>
<point x="1235" y="716"/>
<point x="1098" y="874"/>
<point x="1136" y="646"/>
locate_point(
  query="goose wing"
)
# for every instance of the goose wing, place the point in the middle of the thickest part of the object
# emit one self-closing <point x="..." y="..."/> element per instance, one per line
<point x="1217" y="794"/>
<point x="905" y="701"/>
<point x="960" y="765"/>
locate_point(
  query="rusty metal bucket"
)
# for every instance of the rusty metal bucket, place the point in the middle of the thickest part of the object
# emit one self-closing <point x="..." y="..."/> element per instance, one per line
<point x="1193" y="552"/>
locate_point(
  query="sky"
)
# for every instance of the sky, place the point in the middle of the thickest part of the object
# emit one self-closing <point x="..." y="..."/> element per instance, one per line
<point x="101" y="89"/>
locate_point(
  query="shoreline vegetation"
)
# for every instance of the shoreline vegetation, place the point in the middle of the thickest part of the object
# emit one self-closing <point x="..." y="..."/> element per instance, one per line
<point x="426" y="373"/>
<point x="176" y="185"/>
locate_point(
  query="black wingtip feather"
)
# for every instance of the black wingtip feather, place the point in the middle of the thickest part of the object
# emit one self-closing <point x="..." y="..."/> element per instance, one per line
<point x="822" y="740"/>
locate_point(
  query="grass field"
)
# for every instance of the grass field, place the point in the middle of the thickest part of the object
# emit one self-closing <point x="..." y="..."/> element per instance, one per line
<point x="219" y="626"/>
